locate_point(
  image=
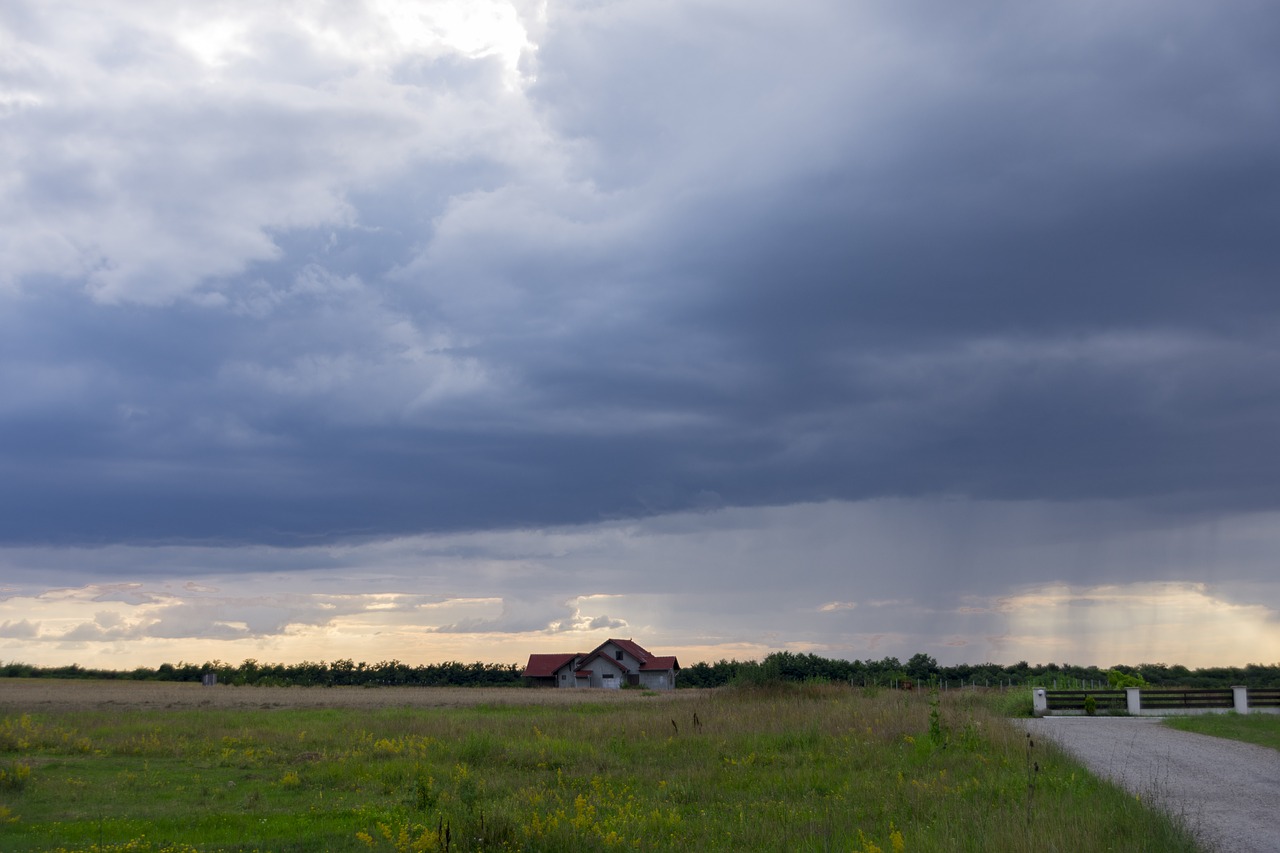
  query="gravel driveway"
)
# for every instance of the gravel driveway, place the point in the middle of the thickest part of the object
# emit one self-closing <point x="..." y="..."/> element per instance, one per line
<point x="1227" y="791"/>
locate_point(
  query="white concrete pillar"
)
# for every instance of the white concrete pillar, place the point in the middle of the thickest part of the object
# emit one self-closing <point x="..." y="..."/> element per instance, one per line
<point x="1241" y="697"/>
<point x="1133" y="698"/>
<point x="1039" y="702"/>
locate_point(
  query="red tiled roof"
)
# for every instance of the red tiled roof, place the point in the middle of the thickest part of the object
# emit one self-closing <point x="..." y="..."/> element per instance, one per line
<point x="662" y="663"/>
<point x="630" y="647"/>
<point x="545" y="666"/>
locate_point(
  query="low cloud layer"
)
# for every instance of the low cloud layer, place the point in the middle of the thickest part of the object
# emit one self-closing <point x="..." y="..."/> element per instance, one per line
<point x="836" y="579"/>
<point x="281" y="280"/>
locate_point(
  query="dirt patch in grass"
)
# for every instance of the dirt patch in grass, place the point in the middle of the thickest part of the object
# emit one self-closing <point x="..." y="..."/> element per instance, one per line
<point x="26" y="695"/>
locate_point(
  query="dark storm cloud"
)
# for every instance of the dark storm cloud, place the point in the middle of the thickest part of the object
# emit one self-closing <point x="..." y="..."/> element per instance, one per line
<point x="1019" y="210"/>
<point x="715" y="255"/>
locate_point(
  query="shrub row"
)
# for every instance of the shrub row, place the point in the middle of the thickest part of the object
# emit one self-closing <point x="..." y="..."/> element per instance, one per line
<point x="921" y="669"/>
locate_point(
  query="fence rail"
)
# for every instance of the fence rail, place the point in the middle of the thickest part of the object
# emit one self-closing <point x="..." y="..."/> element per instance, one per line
<point x="1074" y="700"/>
<point x="1188" y="699"/>
<point x="1139" y="701"/>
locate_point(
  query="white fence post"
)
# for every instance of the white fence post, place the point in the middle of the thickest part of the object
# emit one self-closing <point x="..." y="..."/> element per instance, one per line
<point x="1039" y="702"/>
<point x="1241" y="697"/>
<point x="1133" y="698"/>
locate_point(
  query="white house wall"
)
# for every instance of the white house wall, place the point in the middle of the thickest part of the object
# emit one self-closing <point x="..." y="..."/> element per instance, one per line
<point x="660" y="680"/>
<point x="620" y="657"/>
<point x="564" y="676"/>
<point x="602" y="666"/>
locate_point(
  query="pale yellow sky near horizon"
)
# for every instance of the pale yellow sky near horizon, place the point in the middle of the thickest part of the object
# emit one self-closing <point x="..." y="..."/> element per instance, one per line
<point x="840" y="580"/>
<point x="1172" y="623"/>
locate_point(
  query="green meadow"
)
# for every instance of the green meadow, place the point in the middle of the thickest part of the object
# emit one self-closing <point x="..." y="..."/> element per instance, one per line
<point x="794" y="768"/>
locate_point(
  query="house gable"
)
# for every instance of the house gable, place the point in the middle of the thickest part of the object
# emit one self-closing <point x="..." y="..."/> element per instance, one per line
<point x="613" y="663"/>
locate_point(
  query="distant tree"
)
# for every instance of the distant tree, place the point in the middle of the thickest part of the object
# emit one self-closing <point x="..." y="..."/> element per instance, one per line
<point x="1117" y="679"/>
<point x="922" y="668"/>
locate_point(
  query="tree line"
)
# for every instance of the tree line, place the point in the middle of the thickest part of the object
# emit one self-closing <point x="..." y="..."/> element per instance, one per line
<point x="920" y="669"/>
<point x="338" y="673"/>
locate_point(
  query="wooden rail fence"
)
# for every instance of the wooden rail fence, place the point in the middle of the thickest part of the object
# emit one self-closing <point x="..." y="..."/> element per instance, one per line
<point x="1156" y="702"/>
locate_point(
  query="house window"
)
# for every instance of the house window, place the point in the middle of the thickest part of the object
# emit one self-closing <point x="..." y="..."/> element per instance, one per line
<point x="618" y="654"/>
<point x="608" y="675"/>
<point x="564" y="677"/>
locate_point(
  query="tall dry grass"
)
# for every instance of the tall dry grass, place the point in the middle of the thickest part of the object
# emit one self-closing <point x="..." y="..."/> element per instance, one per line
<point x="40" y="694"/>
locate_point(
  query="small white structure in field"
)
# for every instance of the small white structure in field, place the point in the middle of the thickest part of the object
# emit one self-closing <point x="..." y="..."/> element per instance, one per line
<point x="611" y="664"/>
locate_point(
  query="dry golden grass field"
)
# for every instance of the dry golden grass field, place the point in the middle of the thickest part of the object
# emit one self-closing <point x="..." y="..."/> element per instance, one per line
<point x="36" y="695"/>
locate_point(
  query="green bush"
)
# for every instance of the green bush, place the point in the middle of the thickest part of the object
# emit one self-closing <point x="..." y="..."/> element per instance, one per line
<point x="1119" y="680"/>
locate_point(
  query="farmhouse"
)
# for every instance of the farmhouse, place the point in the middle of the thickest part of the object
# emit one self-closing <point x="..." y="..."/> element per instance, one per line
<point x="611" y="664"/>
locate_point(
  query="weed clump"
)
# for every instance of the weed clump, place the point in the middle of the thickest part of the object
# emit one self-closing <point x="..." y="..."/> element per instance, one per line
<point x="14" y="775"/>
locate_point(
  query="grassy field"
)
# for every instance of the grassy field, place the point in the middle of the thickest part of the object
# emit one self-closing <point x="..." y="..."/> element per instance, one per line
<point x="146" y="767"/>
<point x="32" y="695"/>
<point x="1262" y="729"/>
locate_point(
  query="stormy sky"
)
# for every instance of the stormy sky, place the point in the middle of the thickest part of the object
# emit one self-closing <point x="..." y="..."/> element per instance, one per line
<point x="464" y="330"/>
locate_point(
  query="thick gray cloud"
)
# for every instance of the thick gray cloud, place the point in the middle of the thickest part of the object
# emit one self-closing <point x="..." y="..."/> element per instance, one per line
<point x="301" y="276"/>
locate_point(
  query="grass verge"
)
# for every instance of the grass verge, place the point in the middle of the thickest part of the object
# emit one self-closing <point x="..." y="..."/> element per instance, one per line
<point x="1262" y="729"/>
